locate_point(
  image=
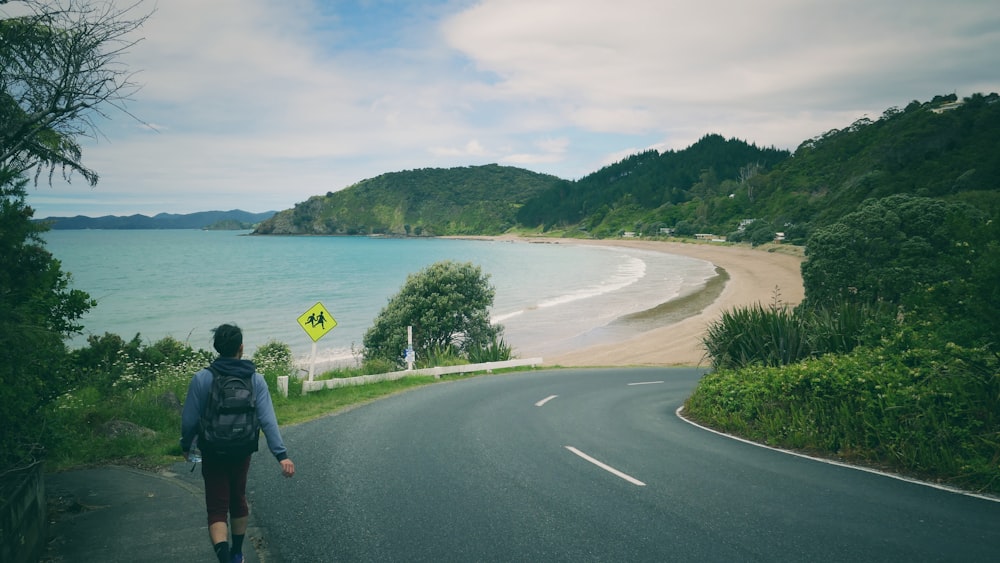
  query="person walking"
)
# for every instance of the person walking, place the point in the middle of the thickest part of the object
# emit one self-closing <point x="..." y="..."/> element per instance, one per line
<point x="224" y="468"/>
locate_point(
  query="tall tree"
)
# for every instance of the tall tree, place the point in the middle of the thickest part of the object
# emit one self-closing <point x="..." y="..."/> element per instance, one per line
<point x="59" y="70"/>
<point x="890" y="248"/>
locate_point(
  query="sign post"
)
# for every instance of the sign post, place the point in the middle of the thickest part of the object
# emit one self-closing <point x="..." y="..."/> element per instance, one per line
<point x="317" y="321"/>
<point x="408" y="354"/>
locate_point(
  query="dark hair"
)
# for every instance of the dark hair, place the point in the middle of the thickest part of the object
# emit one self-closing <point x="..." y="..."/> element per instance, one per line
<point x="228" y="339"/>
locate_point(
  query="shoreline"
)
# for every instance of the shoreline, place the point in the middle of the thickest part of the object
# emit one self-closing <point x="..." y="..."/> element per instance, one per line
<point x="670" y="334"/>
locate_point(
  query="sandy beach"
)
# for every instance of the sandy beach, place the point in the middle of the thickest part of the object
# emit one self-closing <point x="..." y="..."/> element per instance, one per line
<point x="754" y="276"/>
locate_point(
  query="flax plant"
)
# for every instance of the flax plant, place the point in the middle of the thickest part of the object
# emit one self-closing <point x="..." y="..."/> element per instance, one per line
<point x="756" y="334"/>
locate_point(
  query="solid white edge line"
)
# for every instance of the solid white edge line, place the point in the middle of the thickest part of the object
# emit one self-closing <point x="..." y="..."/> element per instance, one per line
<point x="606" y="467"/>
<point x="545" y="400"/>
<point x="838" y="463"/>
<point x="645" y="383"/>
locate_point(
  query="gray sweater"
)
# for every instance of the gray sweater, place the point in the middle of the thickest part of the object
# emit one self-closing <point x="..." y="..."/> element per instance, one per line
<point x="200" y="391"/>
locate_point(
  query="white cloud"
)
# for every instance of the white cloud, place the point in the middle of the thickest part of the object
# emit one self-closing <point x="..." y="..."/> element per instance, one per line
<point x="628" y="65"/>
<point x="259" y="104"/>
<point x="472" y="148"/>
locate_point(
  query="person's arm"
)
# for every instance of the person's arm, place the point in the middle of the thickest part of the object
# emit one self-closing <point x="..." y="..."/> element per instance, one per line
<point x="191" y="414"/>
<point x="269" y="424"/>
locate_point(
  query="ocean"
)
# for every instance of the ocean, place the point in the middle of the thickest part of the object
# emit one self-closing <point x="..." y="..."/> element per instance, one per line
<point x="550" y="298"/>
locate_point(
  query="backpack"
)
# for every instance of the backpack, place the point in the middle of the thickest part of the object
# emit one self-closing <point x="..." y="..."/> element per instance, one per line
<point x="229" y="425"/>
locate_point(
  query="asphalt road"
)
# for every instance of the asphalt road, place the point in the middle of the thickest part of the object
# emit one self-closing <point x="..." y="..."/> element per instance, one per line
<point x="585" y="465"/>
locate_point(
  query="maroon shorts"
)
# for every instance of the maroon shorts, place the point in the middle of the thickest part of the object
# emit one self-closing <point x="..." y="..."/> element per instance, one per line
<point x="225" y="488"/>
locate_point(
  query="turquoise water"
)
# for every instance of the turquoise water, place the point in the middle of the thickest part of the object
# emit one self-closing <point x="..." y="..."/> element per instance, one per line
<point x="550" y="298"/>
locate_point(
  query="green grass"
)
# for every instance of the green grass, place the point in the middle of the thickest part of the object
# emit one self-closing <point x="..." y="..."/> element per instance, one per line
<point x="298" y="409"/>
<point x="77" y="423"/>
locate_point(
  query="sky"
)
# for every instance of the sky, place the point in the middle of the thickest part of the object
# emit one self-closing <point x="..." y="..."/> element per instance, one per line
<point x="258" y="105"/>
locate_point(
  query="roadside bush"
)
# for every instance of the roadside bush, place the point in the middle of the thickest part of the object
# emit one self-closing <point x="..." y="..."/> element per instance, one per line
<point x="495" y="351"/>
<point x="776" y="335"/>
<point x="129" y="386"/>
<point x="934" y="413"/>
<point x="138" y="424"/>
<point x="841" y="327"/>
<point x="111" y="364"/>
<point x="377" y="365"/>
<point x="273" y="360"/>
<point x="447" y="304"/>
<point x="440" y="356"/>
<point x="756" y="334"/>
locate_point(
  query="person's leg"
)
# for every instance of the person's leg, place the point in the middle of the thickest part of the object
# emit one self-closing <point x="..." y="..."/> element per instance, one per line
<point x="217" y="499"/>
<point x="239" y="510"/>
<point x="219" y="532"/>
<point x="239" y="534"/>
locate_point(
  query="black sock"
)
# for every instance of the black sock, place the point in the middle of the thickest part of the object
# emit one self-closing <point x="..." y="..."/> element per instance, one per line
<point x="237" y="544"/>
<point x="222" y="551"/>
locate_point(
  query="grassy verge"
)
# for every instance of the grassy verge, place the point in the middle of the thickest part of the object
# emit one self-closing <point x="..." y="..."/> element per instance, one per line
<point x="141" y="428"/>
<point x="296" y="409"/>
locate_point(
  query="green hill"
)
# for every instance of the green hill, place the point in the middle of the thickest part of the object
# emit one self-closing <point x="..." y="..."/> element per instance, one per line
<point x="944" y="148"/>
<point x="426" y="202"/>
<point x="642" y="192"/>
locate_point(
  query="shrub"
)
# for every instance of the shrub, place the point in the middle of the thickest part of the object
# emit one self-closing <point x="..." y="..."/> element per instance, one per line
<point x="447" y="304"/>
<point x="756" y="334"/>
<point x="931" y="412"/>
<point x="440" y="356"/>
<point x="776" y="335"/>
<point x="495" y="351"/>
<point x="273" y="360"/>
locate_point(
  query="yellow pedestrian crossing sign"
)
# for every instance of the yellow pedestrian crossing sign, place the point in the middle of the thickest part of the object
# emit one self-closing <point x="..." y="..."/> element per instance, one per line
<point x="317" y="321"/>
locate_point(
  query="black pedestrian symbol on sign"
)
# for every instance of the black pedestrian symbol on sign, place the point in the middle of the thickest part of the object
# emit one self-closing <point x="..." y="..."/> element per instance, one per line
<point x="314" y="320"/>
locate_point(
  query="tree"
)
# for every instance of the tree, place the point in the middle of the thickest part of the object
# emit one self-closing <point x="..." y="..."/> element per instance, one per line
<point x="37" y="310"/>
<point x="61" y="71"/>
<point x="888" y="248"/>
<point x="447" y="304"/>
<point x="58" y="71"/>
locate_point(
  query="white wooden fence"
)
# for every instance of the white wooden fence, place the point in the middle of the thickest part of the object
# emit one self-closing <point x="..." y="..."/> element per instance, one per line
<point x="436" y="372"/>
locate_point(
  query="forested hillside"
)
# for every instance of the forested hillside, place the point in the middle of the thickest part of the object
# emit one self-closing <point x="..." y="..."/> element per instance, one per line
<point x="650" y="189"/>
<point x="945" y="148"/>
<point x="426" y="202"/>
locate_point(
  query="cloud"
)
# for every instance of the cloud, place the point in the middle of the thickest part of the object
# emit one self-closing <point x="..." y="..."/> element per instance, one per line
<point x="472" y="148"/>
<point x="547" y="151"/>
<point x="259" y="104"/>
<point x="635" y="65"/>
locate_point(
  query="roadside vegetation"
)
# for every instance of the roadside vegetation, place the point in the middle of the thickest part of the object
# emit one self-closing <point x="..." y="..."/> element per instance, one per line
<point x="892" y="358"/>
<point x="129" y="410"/>
<point x="448" y="306"/>
<point x="126" y="408"/>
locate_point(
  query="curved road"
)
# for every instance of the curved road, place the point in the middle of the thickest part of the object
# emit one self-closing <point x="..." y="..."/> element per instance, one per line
<point x="585" y="465"/>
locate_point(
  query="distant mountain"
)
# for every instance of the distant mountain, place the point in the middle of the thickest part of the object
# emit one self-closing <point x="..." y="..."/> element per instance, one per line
<point x="215" y="220"/>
